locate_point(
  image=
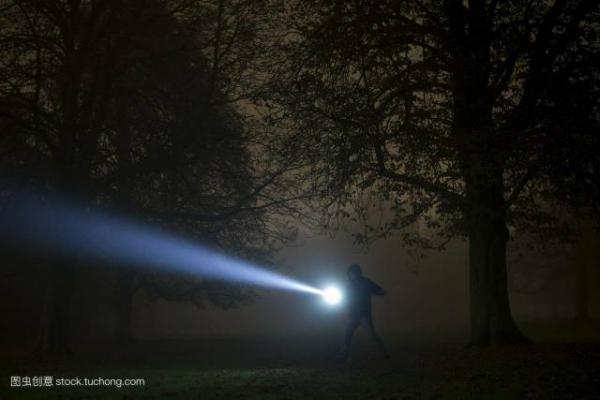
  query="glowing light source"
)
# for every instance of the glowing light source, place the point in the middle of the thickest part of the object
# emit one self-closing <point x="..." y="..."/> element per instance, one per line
<point x="331" y="295"/>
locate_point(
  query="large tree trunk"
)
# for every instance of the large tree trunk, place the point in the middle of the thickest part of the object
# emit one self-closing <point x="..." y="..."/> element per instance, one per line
<point x="55" y="324"/>
<point x="491" y="318"/>
<point x="482" y="164"/>
<point x="57" y="314"/>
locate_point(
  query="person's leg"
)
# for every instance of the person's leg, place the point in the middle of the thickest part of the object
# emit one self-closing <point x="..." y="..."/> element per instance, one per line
<point x="373" y="335"/>
<point x="353" y="323"/>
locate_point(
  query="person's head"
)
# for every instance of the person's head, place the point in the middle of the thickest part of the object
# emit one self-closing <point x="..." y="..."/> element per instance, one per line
<point x="354" y="272"/>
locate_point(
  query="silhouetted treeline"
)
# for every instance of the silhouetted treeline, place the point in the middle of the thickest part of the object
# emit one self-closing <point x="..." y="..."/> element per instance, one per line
<point x="225" y="118"/>
<point x="146" y="107"/>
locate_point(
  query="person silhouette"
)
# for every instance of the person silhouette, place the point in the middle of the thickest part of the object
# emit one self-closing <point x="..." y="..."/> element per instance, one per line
<point x="358" y="292"/>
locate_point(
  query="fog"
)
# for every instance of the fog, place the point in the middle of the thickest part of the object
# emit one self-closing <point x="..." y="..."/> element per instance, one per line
<point x="427" y="296"/>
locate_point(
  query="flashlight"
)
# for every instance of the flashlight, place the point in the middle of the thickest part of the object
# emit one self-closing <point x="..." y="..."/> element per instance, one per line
<point x="331" y="295"/>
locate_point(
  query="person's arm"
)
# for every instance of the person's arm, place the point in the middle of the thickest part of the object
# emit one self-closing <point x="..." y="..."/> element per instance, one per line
<point x="376" y="289"/>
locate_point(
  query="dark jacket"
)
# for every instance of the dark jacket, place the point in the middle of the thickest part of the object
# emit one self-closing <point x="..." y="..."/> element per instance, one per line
<point x="359" y="295"/>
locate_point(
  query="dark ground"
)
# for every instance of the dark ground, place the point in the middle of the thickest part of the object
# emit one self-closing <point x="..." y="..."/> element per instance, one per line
<point x="273" y="368"/>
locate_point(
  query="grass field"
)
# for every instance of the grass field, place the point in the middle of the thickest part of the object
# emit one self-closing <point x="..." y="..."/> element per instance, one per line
<point x="275" y="368"/>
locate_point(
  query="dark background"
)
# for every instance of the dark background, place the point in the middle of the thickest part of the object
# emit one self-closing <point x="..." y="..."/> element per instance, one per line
<point x="451" y="148"/>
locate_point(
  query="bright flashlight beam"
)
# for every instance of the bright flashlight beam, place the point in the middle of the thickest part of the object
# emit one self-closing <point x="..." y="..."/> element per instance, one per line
<point x="64" y="227"/>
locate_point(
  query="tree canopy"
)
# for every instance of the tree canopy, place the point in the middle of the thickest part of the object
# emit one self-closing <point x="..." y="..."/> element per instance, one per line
<point x="149" y="107"/>
<point x="470" y="116"/>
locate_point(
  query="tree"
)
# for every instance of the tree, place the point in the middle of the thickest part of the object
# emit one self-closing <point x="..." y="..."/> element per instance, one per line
<point x="194" y="154"/>
<point x="58" y="59"/>
<point x="464" y="114"/>
<point x="132" y="104"/>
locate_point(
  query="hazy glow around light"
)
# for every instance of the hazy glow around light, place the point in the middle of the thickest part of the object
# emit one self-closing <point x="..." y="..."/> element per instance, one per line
<point x="67" y="228"/>
<point x="331" y="295"/>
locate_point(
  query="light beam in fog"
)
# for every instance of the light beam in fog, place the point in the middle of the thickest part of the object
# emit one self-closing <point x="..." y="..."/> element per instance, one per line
<point x="67" y="228"/>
